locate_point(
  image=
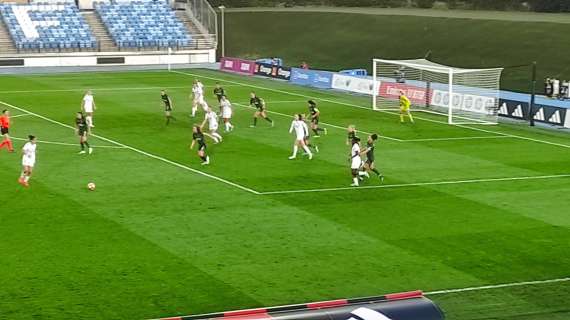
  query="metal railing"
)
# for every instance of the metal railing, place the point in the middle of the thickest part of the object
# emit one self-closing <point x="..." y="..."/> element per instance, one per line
<point x="204" y="17"/>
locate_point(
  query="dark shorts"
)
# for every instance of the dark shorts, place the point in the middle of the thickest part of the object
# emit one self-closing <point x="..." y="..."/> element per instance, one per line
<point x="4" y="131"/>
<point x="370" y="161"/>
<point x="82" y="132"/>
<point x="219" y="98"/>
<point x="167" y="108"/>
<point x="201" y="147"/>
<point x="315" y="120"/>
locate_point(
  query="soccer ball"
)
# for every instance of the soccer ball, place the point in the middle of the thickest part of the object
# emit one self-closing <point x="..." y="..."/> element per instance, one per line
<point x="91" y="186"/>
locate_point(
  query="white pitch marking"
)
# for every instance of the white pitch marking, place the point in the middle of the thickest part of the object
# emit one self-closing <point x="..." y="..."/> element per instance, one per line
<point x="150" y="155"/>
<point x="497" y="286"/>
<point x="420" y="184"/>
<point x="456" y="138"/>
<point x="367" y="108"/>
<point x="292" y="101"/>
<point x="327" y="124"/>
<point x="100" y="89"/>
<point x="69" y="144"/>
<point x="19" y="115"/>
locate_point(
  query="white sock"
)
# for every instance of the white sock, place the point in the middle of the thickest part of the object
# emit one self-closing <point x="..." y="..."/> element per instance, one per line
<point x="355" y="181"/>
<point x="307" y="150"/>
<point x="227" y="124"/>
<point x="361" y="173"/>
<point x="295" y="149"/>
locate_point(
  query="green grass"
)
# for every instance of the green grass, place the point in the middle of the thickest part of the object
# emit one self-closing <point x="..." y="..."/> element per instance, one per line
<point x="357" y="37"/>
<point x="157" y="240"/>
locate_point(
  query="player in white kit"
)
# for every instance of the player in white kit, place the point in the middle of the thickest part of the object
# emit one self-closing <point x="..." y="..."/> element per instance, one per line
<point x="356" y="162"/>
<point x="198" y="97"/>
<point x="212" y="119"/>
<point x="226" y="110"/>
<point x="88" y="106"/>
<point x="28" y="161"/>
<point x="301" y="131"/>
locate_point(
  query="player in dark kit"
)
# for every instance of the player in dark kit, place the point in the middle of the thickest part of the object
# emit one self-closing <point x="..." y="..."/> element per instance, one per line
<point x="369" y="152"/>
<point x="167" y="106"/>
<point x="219" y="92"/>
<point x="315" y="115"/>
<point x="259" y="104"/>
<point x="199" y="138"/>
<point x="81" y="128"/>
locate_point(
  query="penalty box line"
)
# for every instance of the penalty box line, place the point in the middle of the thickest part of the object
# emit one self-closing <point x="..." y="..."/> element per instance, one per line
<point x="419" y="184"/>
<point x="366" y="108"/>
<point x="150" y="155"/>
<point x="384" y="136"/>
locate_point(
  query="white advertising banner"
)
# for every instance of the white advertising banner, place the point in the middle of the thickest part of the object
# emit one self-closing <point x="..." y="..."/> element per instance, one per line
<point x="354" y="84"/>
<point x="460" y="101"/>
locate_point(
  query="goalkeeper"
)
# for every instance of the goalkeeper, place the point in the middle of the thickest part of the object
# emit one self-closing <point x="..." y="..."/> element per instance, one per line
<point x="405" y="107"/>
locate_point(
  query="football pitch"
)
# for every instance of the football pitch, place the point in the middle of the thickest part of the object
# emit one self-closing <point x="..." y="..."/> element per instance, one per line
<point x="467" y="207"/>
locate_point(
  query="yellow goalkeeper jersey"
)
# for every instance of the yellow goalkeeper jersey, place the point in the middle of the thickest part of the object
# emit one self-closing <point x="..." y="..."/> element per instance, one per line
<point x="404" y="102"/>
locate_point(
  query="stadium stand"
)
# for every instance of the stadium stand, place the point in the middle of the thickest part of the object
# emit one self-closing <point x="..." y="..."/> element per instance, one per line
<point x="47" y="27"/>
<point x="143" y="25"/>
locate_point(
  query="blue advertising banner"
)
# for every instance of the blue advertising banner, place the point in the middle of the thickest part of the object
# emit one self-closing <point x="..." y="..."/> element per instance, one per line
<point x="542" y="113"/>
<point x="313" y="78"/>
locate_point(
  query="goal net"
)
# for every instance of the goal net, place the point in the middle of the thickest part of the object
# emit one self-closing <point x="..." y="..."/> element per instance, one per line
<point x="465" y="96"/>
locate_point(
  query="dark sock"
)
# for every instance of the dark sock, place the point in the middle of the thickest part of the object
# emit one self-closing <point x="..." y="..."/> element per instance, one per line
<point x="82" y="146"/>
<point x="320" y="129"/>
<point x="203" y="158"/>
<point x="268" y="119"/>
<point x="316" y="131"/>
<point x="254" y="121"/>
<point x="376" y="171"/>
<point x="87" y="144"/>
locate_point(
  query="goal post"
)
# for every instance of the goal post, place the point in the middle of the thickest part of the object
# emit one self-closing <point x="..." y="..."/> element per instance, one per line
<point x="464" y="96"/>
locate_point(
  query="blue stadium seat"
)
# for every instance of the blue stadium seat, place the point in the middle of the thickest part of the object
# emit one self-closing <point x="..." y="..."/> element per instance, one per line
<point x="143" y="24"/>
<point x="53" y="26"/>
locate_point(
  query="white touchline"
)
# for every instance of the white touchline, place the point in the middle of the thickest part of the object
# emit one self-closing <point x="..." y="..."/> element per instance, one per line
<point x="419" y="184"/>
<point x="69" y="144"/>
<point x="138" y="151"/>
<point x="366" y="108"/>
<point x="497" y="286"/>
<point x="327" y="124"/>
<point x="100" y="89"/>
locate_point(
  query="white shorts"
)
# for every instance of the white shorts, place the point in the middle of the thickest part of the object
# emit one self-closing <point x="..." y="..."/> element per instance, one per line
<point x="27" y="162"/>
<point x="301" y="137"/>
<point x="88" y="109"/>
<point x="213" y="126"/>
<point x="199" y="100"/>
<point x="356" y="163"/>
<point x="227" y="113"/>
